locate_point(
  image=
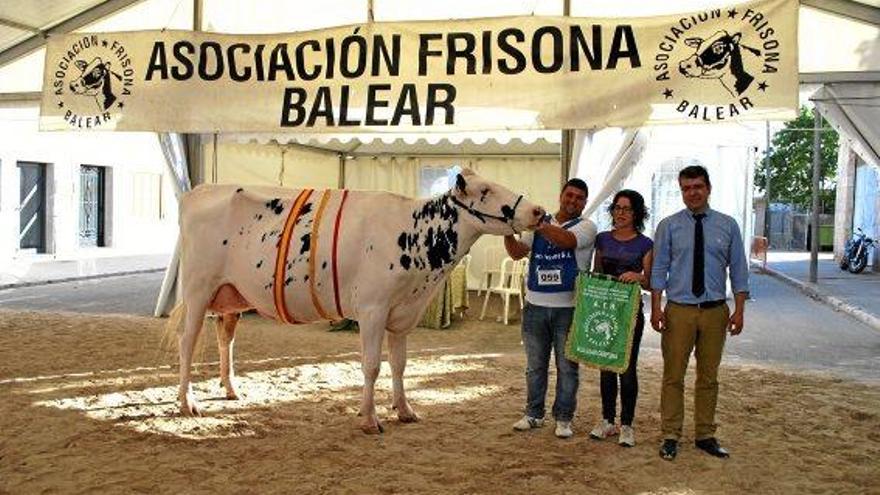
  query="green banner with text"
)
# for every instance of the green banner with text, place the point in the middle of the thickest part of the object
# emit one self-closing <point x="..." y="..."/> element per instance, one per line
<point x="601" y="334"/>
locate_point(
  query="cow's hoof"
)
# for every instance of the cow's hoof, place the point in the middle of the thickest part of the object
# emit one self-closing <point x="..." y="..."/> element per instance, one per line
<point x="231" y="394"/>
<point x="372" y="428"/>
<point x="189" y="406"/>
<point x="409" y="418"/>
<point x="190" y="410"/>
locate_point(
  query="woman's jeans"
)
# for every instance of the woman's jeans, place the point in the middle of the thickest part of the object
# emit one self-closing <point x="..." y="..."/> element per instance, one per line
<point x="629" y="382"/>
<point x="543" y="329"/>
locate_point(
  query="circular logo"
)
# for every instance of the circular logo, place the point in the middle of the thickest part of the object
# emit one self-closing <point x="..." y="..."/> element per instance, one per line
<point x="600" y="325"/>
<point x="733" y="55"/>
<point x="92" y="81"/>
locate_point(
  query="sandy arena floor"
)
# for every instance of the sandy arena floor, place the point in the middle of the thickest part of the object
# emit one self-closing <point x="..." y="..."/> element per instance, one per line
<point x="89" y="407"/>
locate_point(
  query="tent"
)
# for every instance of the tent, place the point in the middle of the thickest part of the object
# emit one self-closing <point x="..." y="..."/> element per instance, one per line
<point x="853" y="58"/>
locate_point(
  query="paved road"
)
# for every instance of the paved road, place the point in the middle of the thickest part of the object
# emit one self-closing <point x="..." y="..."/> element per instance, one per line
<point x="128" y="294"/>
<point x="783" y="327"/>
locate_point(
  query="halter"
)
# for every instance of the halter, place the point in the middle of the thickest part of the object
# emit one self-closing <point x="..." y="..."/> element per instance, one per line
<point x="506" y="216"/>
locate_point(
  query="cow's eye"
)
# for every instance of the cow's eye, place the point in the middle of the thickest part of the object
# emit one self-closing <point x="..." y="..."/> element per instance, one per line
<point x="718" y="49"/>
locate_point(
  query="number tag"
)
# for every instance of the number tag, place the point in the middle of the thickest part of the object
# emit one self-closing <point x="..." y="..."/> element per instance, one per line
<point x="549" y="277"/>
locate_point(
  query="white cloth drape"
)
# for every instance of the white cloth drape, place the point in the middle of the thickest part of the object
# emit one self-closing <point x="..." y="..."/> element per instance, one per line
<point x="175" y="161"/>
<point x="605" y="159"/>
<point x="854" y="110"/>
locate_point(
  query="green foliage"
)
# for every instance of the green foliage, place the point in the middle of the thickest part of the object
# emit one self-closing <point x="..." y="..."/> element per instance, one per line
<point x="791" y="165"/>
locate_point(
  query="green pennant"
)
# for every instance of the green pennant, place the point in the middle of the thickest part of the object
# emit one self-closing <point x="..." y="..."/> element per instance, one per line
<point x="601" y="333"/>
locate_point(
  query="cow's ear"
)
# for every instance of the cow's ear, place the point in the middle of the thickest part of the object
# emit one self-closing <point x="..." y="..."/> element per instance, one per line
<point x="736" y="37"/>
<point x="460" y="184"/>
<point x="693" y="42"/>
<point x="81" y="64"/>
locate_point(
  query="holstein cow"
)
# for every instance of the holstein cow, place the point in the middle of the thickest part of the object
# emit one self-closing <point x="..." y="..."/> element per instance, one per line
<point x="718" y="57"/>
<point x="308" y="255"/>
<point x="94" y="80"/>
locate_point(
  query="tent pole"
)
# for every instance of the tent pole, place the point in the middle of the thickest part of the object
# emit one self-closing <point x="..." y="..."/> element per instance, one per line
<point x="341" y="180"/>
<point x="817" y="172"/>
<point x="767" y="172"/>
<point x="567" y="134"/>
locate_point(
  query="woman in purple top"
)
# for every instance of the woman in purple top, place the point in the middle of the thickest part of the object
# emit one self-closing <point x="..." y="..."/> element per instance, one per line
<point x="624" y="252"/>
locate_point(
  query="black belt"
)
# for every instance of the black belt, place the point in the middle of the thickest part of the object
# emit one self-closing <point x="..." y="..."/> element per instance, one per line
<point x="703" y="305"/>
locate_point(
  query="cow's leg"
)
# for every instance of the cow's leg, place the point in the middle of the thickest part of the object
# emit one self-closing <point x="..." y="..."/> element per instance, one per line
<point x="225" y="341"/>
<point x="397" y="348"/>
<point x="195" y="315"/>
<point x="372" y="330"/>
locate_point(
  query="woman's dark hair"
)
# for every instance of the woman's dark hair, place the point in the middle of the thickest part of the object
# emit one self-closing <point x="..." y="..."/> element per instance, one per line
<point x="637" y="202"/>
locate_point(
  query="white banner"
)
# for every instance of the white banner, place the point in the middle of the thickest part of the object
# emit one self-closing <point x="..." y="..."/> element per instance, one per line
<point x="718" y="65"/>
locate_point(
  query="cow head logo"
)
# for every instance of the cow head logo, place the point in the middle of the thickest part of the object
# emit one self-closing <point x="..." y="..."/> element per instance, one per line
<point x="719" y="57"/>
<point x="95" y="80"/>
<point x="92" y="81"/>
<point x="718" y="64"/>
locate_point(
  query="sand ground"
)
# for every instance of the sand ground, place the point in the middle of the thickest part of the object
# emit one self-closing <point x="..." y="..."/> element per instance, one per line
<point x="89" y="407"/>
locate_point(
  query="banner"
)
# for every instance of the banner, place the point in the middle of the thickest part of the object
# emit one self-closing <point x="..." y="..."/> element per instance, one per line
<point x="601" y="334"/>
<point x="717" y="65"/>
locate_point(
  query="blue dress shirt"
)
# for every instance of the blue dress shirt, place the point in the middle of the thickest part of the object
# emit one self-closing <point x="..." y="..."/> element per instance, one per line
<point x="674" y="257"/>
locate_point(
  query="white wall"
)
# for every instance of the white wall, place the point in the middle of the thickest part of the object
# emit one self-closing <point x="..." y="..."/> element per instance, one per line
<point x="131" y="226"/>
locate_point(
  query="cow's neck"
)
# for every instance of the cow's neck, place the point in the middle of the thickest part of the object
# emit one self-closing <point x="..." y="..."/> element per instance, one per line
<point x="108" y="98"/>
<point x="443" y="232"/>
<point x="737" y="80"/>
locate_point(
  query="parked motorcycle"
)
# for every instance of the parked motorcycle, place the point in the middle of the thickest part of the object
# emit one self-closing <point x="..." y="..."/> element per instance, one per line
<point x="855" y="252"/>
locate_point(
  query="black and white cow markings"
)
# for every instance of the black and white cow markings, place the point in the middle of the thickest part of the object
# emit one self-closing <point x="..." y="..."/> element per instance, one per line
<point x="240" y="189"/>
<point x="260" y="264"/>
<point x="225" y="241"/>
<point x="275" y="205"/>
<point x="306" y="243"/>
<point x="440" y="217"/>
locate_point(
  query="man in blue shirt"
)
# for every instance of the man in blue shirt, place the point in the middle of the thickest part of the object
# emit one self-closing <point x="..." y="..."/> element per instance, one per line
<point x="693" y="251"/>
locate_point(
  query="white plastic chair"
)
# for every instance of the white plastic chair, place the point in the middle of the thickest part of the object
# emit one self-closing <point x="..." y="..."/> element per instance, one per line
<point x="510" y="283"/>
<point x="493" y="257"/>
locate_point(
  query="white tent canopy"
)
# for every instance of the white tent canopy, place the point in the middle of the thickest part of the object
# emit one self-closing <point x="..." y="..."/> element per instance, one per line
<point x="854" y="110"/>
<point x="837" y="38"/>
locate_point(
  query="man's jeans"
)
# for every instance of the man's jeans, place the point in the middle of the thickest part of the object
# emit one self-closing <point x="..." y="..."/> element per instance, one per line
<point x="543" y="329"/>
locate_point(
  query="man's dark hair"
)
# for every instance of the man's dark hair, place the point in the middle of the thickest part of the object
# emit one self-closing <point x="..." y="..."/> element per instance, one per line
<point x="637" y="202"/>
<point x="577" y="184"/>
<point x="695" y="172"/>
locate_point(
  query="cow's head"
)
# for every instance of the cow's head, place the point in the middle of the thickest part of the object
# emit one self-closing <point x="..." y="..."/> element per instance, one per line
<point x="92" y="77"/>
<point x="492" y="208"/>
<point x="712" y="56"/>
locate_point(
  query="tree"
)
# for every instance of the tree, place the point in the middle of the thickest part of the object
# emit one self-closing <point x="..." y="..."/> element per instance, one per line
<point x="791" y="165"/>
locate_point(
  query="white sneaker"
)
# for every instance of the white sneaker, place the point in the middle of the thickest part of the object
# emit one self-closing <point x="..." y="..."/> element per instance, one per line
<point x="563" y="429"/>
<point x="627" y="436"/>
<point x="603" y="430"/>
<point x="527" y="423"/>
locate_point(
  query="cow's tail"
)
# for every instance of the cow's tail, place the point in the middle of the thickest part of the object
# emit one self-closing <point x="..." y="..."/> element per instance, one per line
<point x="173" y="327"/>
